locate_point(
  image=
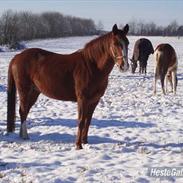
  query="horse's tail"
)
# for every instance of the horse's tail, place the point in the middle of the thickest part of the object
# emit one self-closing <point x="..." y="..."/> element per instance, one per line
<point x="162" y="66"/>
<point x="11" y="103"/>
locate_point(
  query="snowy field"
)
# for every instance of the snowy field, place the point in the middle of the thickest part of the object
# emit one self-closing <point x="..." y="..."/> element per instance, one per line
<point x="131" y="129"/>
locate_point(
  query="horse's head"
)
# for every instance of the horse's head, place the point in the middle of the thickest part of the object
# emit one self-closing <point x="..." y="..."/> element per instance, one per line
<point x="133" y="65"/>
<point x="119" y="47"/>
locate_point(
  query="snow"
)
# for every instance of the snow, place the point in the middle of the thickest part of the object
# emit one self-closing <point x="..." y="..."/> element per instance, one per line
<point x="131" y="129"/>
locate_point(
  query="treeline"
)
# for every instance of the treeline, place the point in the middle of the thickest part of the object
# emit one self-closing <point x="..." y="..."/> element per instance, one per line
<point x="18" y="26"/>
<point x="140" y="28"/>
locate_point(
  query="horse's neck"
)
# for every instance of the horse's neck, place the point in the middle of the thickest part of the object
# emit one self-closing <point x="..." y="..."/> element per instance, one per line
<point x="100" y="55"/>
<point x="105" y="62"/>
<point x="104" y="65"/>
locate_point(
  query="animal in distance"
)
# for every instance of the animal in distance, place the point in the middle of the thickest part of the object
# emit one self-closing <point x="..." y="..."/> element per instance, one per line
<point x="166" y="67"/>
<point x="142" y="49"/>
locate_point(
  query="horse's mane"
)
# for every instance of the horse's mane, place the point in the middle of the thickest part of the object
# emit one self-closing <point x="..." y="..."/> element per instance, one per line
<point x="94" y="49"/>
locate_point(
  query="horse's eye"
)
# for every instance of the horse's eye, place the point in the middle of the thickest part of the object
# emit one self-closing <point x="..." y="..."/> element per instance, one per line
<point x="117" y="44"/>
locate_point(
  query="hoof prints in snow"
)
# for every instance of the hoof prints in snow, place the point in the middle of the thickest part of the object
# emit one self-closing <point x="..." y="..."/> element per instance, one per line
<point x="131" y="129"/>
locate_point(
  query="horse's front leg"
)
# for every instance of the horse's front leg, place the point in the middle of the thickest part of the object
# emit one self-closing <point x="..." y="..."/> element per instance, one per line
<point x="91" y="109"/>
<point x="82" y="114"/>
<point x="145" y="70"/>
<point x="140" y="68"/>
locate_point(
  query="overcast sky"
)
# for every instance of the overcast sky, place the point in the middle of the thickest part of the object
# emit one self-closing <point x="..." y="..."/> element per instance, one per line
<point x="162" y="12"/>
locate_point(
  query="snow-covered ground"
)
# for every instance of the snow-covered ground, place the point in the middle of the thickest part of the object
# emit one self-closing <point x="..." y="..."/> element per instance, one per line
<point x="131" y="129"/>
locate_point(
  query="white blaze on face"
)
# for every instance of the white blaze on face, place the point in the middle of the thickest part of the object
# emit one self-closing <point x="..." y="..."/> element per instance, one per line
<point x="125" y="55"/>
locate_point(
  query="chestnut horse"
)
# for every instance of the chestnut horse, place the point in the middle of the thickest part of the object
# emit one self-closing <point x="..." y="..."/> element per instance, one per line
<point x="166" y="67"/>
<point x="81" y="77"/>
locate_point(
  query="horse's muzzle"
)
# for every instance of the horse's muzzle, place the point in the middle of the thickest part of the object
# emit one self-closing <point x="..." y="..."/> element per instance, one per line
<point x="124" y="68"/>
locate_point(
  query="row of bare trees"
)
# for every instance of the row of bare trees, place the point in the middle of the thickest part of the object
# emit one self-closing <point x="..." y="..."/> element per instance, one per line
<point x="151" y="29"/>
<point x="18" y="26"/>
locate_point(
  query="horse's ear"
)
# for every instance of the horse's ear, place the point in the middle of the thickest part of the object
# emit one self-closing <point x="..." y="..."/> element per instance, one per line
<point x="115" y="29"/>
<point x="126" y="29"/>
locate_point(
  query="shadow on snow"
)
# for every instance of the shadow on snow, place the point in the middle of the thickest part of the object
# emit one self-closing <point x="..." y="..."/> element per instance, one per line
<point x="58" y="137"/>
<point x="2" y="88"/>
<point x="71" y="123"/>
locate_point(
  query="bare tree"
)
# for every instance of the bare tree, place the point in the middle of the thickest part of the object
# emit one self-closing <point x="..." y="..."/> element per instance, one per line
<point x="15" y="26"/>
<point x="9" y="27"/>
<point x="100" y="26"/>
<point x="180" y="31"/>
<point x="151" y="29"/>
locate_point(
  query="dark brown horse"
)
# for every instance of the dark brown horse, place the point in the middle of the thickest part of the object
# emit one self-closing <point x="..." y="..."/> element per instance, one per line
<point x="166" y="67"/>
<point x="142" y="49"/>
<point x="81" y="77"/>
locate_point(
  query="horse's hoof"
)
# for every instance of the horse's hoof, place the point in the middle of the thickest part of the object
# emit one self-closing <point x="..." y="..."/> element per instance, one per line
<point x="11" y="130"/>
<point x="78" y="147"/>
<point x="8" y="133"/>
<point x="85" y="142"/>
<point x="24" y="137"/>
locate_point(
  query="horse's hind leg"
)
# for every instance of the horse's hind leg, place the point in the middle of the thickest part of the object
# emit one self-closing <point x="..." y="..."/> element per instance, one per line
<point x="28" y="97"/>
<point x="145" y="68"/>
<point x="168" y="79"/>
<point x="174" y="81"/>
<point x="156" y="76"/>
<point x="140" y="69"/>
<point x="162" y="78"/>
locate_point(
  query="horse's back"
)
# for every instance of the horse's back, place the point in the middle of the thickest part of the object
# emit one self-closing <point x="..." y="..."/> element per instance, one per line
<point x="50" y="73"/>
<point x="33" y="58"/>
<point x="27" y="56"/>
<point x="146" y="46"/>
<point x="23" y="64"/>
<point x="165" y="54"/>
<point x="143" y="47"/>
<point x="165" y="48"/>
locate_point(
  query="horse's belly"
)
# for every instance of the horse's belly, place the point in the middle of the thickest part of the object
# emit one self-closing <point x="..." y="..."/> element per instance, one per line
<point x="57" y="91"/>
<point x="61" y="96"/>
